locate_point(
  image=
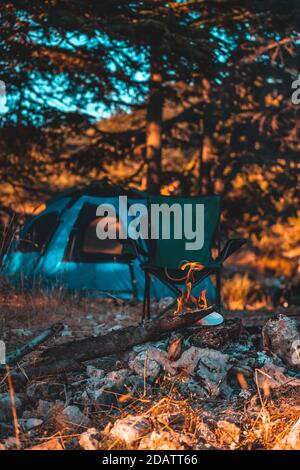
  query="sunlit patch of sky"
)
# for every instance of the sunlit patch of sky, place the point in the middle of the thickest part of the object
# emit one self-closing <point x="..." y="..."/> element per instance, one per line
<point x="55" y="90"/>
<point x="227" y="44"/>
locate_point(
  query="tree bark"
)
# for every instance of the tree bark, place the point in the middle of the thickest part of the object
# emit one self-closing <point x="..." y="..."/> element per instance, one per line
<point x="154" y="128"/>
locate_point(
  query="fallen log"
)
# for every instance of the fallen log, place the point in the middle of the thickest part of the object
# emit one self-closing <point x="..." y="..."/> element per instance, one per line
<point x="45" y="368"/>
<point x="121" y="340"/>
<point x="42" y="369"/>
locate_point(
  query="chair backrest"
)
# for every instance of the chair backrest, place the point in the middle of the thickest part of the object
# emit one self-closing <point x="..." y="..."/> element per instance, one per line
<point x="198" y="225"/>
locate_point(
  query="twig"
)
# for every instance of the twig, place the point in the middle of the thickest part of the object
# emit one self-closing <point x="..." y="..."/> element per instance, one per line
<point x="27" y="348"/>
<point x="13" y="407"/>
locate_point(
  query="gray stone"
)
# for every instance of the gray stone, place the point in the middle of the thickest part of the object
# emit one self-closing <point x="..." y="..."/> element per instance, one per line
<point x="94" y="372"/>
<point x="145" y="366"/>
<point x="44" y="408"/>
<point x="71" y="416"/>
<point x="6" y="406"/>
<point x="136" y="384"/>
<point x="105" y="391"/>
<point x="192" y="387"/>
<point x="75" y="416"/>
<point x="281" y="337"/>
<point x="32" y="423"/>
<point x="212" y="370"/>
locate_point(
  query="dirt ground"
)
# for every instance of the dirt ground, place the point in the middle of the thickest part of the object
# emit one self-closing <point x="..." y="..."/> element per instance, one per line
<point x="250" y="419"/>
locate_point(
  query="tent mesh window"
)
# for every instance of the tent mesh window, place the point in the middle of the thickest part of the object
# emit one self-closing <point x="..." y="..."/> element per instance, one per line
<point x="38" y="234"/>
<point x="84" y="244"/>
<point x="91" y="244"/>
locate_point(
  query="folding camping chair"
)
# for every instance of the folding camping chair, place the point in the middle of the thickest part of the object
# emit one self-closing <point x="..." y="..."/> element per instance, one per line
<point x="166" y="256"/>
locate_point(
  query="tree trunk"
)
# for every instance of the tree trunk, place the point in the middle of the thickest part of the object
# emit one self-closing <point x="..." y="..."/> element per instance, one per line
<point x="154" y="129"/>
<point x="206" y="180"/>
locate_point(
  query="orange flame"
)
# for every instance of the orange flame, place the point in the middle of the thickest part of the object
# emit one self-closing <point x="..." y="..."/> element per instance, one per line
<point x="187" y="302"/>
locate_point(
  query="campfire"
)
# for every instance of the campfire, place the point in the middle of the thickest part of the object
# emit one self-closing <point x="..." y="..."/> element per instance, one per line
<point x="188" y="302"/>
<point x="164" y="387"/>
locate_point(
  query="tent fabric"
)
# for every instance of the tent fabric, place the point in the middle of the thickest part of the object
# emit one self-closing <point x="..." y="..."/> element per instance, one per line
<point x="57" y="263"/>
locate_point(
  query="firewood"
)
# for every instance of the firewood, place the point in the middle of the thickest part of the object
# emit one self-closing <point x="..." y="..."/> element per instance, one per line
<point x="121" y="340"/>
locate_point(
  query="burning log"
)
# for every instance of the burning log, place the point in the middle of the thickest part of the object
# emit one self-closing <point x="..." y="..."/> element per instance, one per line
<point x="219" y="336"/>
<point x="123" y="339"/>
<point x="187" y="302"/>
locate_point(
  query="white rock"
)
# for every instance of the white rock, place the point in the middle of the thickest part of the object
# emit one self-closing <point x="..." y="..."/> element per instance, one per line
<point x="281" y="337"/>
<point x="97" y="330"/>
<point x="66" y="332"/>
<point x="89" y="440"/>
<point x="292" y="440"/>
<point x="121" y="315"/>
<point x="162" y="345"/>
<point x="162" y="440"/>
<point x="115" y="328"/>
<point x="131" y="428"/>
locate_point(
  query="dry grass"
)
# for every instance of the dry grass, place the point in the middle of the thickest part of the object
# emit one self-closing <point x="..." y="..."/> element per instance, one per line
<point x="177" y="422"/>
<point x="236" y="291"/>
<point x="181" y="423"/>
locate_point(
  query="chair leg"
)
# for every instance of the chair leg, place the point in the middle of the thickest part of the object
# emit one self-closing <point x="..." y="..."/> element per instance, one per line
<point x="218" y="289"/>
<point x="146" y="303"/>
<point x="145" y="299"/>
<point x="148" y="296"/>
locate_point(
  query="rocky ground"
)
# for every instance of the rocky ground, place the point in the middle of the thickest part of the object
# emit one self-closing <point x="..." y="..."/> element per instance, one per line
<point x="226" y="387"/>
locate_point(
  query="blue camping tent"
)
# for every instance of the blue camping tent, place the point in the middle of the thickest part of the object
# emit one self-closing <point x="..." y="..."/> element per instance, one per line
<point x="59" y="248"/>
